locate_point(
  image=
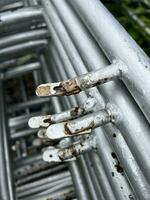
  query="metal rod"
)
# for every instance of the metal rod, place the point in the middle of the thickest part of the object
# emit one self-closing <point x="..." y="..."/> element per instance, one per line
<point x="23" y="37"/>
<point x="21" y="70"/>
<point x="6" y="177"/>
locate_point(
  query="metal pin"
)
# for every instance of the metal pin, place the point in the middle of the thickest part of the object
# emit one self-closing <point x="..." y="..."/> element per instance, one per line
<point x="70" y="153"/>
<point x="83" y="82"/>
<point x="82" y="125"/>
<point x="47" y="120"/>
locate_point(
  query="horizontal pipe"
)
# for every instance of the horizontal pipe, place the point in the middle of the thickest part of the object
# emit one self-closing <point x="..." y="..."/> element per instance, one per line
<point x="23" y="48"/>
<point x="23" y="37"/>
<point x="12" y="6"/>
<point x="20" y="121"/>
<point x="42" y="188"/>
<point x="58" y="192"/>
<point x="40" y="174"/>
<point x="50" y="179"/>
<point x="23" y="133"/>
<point x="26" y="170"/>
<point x="20" y="70"/>
<point x="28" y="160"/>
<point x="20" y="15"/>
<point x="28" y="104"/>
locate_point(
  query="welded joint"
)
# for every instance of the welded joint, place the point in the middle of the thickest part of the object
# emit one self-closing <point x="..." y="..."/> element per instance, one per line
<point x="70" y="153"/>
<point x="122" y="67"/>
<point x="83" y="82"/>
<point x="73" y="113"/>
<point x="114" y="113"/>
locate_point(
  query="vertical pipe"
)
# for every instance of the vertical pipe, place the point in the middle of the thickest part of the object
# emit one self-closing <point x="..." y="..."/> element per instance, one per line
<point x="6" y="173"/>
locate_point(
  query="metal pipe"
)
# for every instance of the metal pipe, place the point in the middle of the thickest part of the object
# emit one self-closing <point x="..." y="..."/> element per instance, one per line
<point x="6" y="173"/>
<point x="22" y="48"/>
<point x="47" y="120"/>
<point x="85" y="174"/>
<point x="83" y="82"/>
<point x="82" y="125"/>
<point x="27" y="161"/>
<point x="40" y="174"/>
<point x="130" y="168"/>
<point x="12" y="6"/>
<point x="77" y="176"/>
<point x="114" y="92"/>
<point x="50" y="179"/>
<point x="44" y="187"/>
<point x="121" y="191"/>
<point x="28" y="104"/>
<point x="23" y="37"/>
<point x="54" y="154"/>
<point x="122" y="47"/>
<point x="20" y="15"/>
<point x="58" y="192"/>
<point x="101" y="175"/>
<point x="21" y="70"/>
<point x="20" y="121"/>
<point x="23" y="133"/>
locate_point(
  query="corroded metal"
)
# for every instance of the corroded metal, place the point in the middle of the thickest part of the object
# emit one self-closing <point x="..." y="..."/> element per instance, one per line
<point x="70" y="153"/>
<point x="47" y="120"/>
<point x="102" y="131"/>
<point x="83" y="82"/>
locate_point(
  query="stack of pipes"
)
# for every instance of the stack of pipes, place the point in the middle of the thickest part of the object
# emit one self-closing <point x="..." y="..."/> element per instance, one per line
<point x="24" y="41"/>
<point x="90" y="137"/>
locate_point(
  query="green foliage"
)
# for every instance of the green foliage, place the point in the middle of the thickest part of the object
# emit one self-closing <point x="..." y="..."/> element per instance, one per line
<point x="134" y="15"/>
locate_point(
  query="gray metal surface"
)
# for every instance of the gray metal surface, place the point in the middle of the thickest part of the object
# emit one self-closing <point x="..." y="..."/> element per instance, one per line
<point x="74" y="104"/>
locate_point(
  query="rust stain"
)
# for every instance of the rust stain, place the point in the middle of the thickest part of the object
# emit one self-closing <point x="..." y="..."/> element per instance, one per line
<point x="78" y="131"/>
<point x="71" y="87"/>
<point x="67" y="88"/>
<point x="131" y="197"/>
<point x="86" y="81"/>
<point x="112" y="173"/>
<point x="59" y="89"/>
<point x="102" y="81"/>
<point x="81" y="144"/>
<point x="67" y="131"/>
<point x="76" y="111"/>
<point x="68" y="153"/>
<point x="114" y="135"/>
<point x="48" y="121"/>
<point x="118" y="166"/>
